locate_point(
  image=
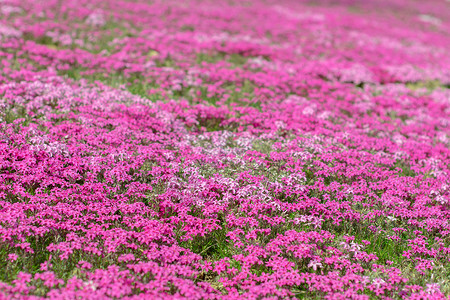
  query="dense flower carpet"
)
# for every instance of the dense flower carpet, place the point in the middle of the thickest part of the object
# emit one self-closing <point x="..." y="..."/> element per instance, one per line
<point x="263" y="149"/>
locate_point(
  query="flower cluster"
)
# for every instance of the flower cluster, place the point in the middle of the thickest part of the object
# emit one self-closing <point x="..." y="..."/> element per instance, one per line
<point x="212" y="150"/>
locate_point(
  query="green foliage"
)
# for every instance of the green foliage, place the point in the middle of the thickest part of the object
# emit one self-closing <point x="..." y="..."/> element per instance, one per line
<point x="429" y="85"/>
<point x="214" y="246"/>
<point x="405" y="167"/>
<point x="134" y="83"/>
<point x="235" y="59"/>
<point x="10" y="115"/>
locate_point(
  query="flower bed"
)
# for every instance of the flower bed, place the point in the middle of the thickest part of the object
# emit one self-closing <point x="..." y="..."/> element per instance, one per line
<point x="224" y="150"/>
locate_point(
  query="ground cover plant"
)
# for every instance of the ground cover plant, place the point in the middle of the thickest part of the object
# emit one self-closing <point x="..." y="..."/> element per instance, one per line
<point x="224" y="149"/>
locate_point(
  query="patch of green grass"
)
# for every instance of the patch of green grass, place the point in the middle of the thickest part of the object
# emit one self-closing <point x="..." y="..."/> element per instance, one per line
<point x="430" y="85"/>
<point x="384" y="248"/>
<point x="167" y="62"/>
<point x="27" y="262"/>
<point x="42" y="40"/>
<point x="207" y="58"/>
<point x="355" y="9"/>
<point x="111" y="31"/>
<point x="242" y="94"/>
<point x="240" y="97"/>
<point x="302" y="292"/>
<point x="211" y="99"/>
<point x="135" y="84"/>
<point x="380" y="245"/>
<point x="235" y="59"/>
<point x="406" y="168"/>
<point x="104" y="42"/>
<point x="346" y="113"/>
<point x="262" y="146"/>
<point x="394" y="115"/>
<point x="211" y="124"/>
<point x="187" y="28"/>
<point x="439" y="274"/>
<point x="10" y="115"/>
<point x="214" y="246"/>
<point x="8" y="270"/>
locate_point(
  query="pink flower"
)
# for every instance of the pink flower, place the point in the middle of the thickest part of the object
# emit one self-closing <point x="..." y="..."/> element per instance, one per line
<point x="12" y="257"/>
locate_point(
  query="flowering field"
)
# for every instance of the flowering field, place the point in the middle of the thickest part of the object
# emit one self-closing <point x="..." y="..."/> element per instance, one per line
<point x="259" y="149"/>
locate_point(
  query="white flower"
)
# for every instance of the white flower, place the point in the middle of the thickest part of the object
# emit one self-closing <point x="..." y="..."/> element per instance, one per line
<point x="441" y="200"/>
<point x="430" y="19"/>
<point x="280" y="124"/>
<point x="354" y="247"/>
<point x="378" y="282"/>
<point x="314" y="264"/>
<point x="8" y="9"/>
<point x="433" y="288"/>
<point x="365" y="280"/>
<point x="344" y="245"/>
<point x="392" y="219"/>
<point x="276" y="205"/>
<point x="96" y="19"/>
<point x="309" y="110"/>
<point x="91" y="284"/>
